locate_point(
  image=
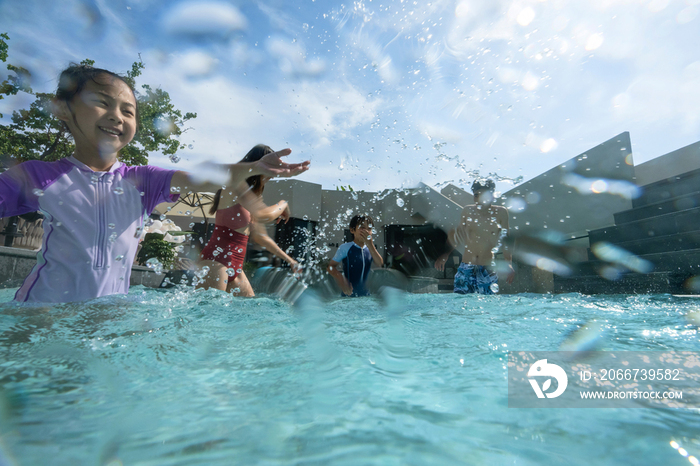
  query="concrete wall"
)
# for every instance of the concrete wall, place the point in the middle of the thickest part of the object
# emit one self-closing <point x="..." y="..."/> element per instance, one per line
<point x="304" y="198"/>
<point x="457" y="195"/>
<point x="15" y="265"/>
<point x="666" y="166"/>
<point x="549" y="202"/>
<point x="436" y="208"/>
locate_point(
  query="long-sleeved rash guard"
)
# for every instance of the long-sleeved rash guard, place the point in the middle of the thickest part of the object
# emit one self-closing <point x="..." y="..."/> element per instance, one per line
<point x="92" y="222"/>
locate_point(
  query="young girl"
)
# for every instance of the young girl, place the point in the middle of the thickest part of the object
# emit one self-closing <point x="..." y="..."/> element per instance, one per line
<point x="94" y="206"/>
<point x="225" y="252"/>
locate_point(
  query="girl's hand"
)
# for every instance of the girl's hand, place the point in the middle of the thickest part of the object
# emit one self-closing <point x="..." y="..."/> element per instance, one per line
<point x="296" y="268"/>
<point x="271" y="165"/>
<point x="285" y="215"/>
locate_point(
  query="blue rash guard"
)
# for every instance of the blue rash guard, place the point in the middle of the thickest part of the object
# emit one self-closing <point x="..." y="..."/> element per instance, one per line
<point x="357" y="262"/>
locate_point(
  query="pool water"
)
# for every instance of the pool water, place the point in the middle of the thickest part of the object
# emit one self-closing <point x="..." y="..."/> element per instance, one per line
<point x="197" y="378"/>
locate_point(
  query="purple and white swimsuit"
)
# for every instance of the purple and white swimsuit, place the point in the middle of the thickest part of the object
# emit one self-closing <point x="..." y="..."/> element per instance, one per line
<point x="92" y="221"/>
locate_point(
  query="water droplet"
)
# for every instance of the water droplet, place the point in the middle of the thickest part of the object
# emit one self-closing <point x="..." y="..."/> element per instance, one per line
<point x="190" y="146"/>
<point x="119" y="258"/>
<point x="38" y="192"/>
<point x="113" y="237"/>
<point x="111" y="226"/>
<point x="174" y="158"/>
<point x="399" y="202"/>
<point x="305" y="217"/>
<point x="152" y="262"/>
<point x="163" y="217"/>
<point x="94" y="179"/>
<point x="192" y="225"/>
<point x="118" y="191"/>
<point x="230" y="272"/>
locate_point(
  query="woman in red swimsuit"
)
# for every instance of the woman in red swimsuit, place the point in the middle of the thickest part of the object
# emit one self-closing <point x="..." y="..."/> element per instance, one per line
<point x="225" y="252"/>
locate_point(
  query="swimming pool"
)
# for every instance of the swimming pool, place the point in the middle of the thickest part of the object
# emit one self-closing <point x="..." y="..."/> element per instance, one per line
<point x="181" y="378"/>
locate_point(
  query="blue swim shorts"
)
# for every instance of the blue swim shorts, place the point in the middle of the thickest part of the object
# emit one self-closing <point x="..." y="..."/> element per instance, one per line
<point x="474" y="279"/>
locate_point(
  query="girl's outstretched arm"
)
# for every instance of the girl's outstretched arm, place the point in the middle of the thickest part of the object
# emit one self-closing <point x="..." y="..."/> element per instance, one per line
<point x="209" y="177"/>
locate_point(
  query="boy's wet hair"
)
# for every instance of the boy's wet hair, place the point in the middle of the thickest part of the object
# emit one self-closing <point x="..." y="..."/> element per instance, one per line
<point x="359" y="220"/>
<point x="255" y="182"/>
<point x="483" y="185"/>
<point x="74" y="78"/>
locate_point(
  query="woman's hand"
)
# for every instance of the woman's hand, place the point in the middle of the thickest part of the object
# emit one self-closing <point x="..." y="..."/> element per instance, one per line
<point x="296" y="267"/>
<point x="271" y="165"/>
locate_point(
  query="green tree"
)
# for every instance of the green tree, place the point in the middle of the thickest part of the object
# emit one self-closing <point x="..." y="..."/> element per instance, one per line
<point x="35" y="134"/>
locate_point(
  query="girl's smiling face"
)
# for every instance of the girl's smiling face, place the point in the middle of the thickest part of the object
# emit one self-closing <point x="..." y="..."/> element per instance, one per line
<point x="102" y="119"/>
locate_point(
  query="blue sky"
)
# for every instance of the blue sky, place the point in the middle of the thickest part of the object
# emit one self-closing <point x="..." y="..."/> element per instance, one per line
<point x="384" y="94"/>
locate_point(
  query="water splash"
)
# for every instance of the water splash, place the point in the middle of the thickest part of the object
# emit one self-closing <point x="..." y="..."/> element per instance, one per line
<point x="622" y="188"/>
<point x="617" y="255"/>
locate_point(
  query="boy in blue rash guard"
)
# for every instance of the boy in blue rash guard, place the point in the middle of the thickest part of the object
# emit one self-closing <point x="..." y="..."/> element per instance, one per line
<point x="357" y="258"/>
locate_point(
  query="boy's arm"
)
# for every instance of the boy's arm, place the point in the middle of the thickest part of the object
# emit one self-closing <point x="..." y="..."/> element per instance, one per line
<point x="377" y="259"/>
<point x="375" y="254"/>
<point x="258" y="233"/>
<point x="455" y="237"/>
<point x="335" y="272"/>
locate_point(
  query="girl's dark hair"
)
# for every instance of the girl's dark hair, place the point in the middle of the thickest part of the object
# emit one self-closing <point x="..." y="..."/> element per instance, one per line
<point x="255" y="182"/>
<point x="74" y="78"/>
<point x="359" y="220"/>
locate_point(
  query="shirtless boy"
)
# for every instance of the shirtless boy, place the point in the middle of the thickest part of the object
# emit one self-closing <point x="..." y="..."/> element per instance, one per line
<point x="479" y="232"/>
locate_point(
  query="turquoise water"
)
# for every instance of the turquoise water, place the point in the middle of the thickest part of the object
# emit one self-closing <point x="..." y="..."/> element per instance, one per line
<point x="181" y="378"/>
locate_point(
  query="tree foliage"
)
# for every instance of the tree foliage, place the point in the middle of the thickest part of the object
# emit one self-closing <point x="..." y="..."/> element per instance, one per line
<point x="154" y="246"/>
<point x="35" y="134"/>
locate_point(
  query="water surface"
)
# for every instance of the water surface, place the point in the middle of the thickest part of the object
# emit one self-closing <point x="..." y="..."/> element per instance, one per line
<point x="185" y="378"/>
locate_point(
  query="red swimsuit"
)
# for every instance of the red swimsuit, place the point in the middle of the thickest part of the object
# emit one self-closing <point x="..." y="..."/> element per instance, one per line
<point x="226" y="245"/>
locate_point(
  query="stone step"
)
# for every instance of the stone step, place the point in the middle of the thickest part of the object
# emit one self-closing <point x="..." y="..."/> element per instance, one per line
<point x="632" y="283"/>
<point x="670" y="188"/>
<point x="659" y="244"/>
<point x="662" y="225"/>
<point x="683" y="264"/>
<point x="685" y="202"/>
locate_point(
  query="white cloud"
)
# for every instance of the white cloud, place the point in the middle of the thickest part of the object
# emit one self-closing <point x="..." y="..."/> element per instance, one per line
<point x="440" y="132"/>
<point x="195" y="63"/>
<point x="292" y="58"/>
<point x="207" y="18"/>
<point x="330" y="110"/>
